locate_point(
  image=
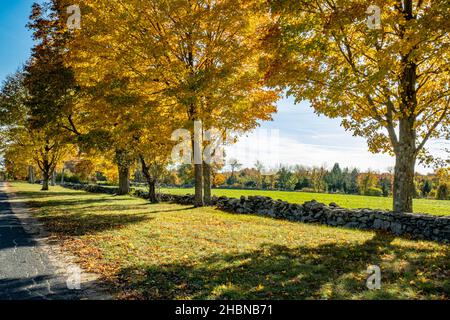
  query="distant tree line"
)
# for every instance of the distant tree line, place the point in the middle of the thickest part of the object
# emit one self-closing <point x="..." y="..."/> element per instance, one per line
<point x="314" y="179"/>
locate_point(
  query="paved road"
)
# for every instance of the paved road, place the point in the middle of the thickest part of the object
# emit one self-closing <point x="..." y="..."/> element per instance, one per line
<point x="25" y="270"/>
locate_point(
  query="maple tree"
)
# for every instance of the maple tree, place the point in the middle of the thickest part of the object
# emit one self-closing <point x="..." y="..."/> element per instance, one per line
<point x="25" y="144"/>
<point x="389" y="84"/>
<point x="199" y="58"/>
<point x="37" y="100"/>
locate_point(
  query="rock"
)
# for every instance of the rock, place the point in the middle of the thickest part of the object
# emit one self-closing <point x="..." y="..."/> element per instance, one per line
<point x="333" y="205"/>
<point x="352" y="225"/>
<point x="377" y="224"/>
<point x="396" y="228"/>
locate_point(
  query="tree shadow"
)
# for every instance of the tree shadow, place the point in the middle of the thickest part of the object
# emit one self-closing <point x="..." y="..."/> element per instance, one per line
<point x="41" y="194"/>
<point x="140" y="207"/>
<point x="79" y="224"/>
<point x="67" y="202"/>
<point x="328" y="271"/>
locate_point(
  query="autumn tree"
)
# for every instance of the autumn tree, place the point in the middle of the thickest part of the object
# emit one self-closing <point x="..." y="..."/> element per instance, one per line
<point x="198" y="56"/>
<point x="389" y="82"/>
<point x="50" y="86"/>
<point x="25" y="145"/>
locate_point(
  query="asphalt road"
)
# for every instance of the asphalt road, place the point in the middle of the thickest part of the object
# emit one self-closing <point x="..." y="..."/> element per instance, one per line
<point x="26" y="272"/>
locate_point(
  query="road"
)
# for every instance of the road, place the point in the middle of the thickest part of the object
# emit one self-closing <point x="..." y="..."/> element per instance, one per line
<point x="26" y="272"/>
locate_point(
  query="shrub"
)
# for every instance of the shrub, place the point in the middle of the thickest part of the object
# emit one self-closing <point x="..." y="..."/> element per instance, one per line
<point x="374" y="192"/>
<point x="68" y="178"/>
<point x="442" y="192"/>
<point x="432" y="193"/>
<point x="250" y="184"/>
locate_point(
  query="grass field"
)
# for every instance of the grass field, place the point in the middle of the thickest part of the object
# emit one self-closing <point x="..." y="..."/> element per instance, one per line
<point x="436" y="207"/>
<point x="168" y="251"/>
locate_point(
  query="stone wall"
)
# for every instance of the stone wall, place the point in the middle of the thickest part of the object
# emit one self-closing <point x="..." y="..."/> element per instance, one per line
<point x="418" y="226"/>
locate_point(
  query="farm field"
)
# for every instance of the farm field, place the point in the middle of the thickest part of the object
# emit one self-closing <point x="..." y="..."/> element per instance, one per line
<point x="430" y="206"/>
<point x="168" y="251"/>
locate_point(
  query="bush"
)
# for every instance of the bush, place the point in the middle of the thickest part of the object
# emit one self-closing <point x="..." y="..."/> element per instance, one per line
<point x="442" y="192"/>
<point x="374" y="192"/>
<point x="68" y="178"/>
<point x="250" y="184"/>
<point x="432" y="193"/>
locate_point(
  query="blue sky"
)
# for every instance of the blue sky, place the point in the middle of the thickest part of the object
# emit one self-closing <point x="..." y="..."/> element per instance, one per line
<point x="15" y="39"/>
<point x="296" y="136"/>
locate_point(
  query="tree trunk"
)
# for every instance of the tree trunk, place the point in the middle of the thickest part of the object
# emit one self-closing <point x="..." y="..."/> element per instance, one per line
<point x="198" y="173"/>
<point x="405" y="161"/>
<point x="405" y="150"/>
<point x="404" y="183"/>
<point x="31" y="175"/>
<point x="198" y="167"/>
<point x="206" y="184"/>
<point x="46" y="177"/>
<point x="123" y="167"/>
<point x="53" y="182"/>
<point x="151" y="181"/>
<point x="152" y="191"/>
<point x="124" y="179"/>
<point x="62" y="176"/>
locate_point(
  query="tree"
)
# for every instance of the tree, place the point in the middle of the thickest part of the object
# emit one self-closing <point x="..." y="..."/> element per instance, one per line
<point x="354" y="186"/>
<point x="366" y="181"/>
<point x="259" y="166"/>
<point x="391" y="85"/>
<point x="186" y="174"/>
<point x="286" y="179"/>
<point x="153" y="146"/>
<point x="25" y="144"/>
<point x="200" y="55"/>
<point x="334" y="179"/>
<point x="50" y="89"/>
<point x="318" y="179"/>
<point x="234" y="165"/>
<point x="385" y="184"/>
<point x="442" y="192"/>
<point x="426" y="188"/>
<point x="218" y="180"/>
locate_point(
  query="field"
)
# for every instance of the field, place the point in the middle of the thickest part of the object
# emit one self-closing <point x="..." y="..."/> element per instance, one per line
<point x="168" y="251"/>
<point x="436" y="207"/>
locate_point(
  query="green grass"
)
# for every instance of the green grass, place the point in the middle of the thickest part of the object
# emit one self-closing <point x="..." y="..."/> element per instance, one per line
<point x="436" y="207"/>
<point x="168" y="251"/>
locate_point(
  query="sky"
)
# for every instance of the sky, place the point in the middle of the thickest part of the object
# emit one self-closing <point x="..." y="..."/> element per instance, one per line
<point x="299" y="136"/>
<point x="15" y="39"/>
<point x="295" y="136"/>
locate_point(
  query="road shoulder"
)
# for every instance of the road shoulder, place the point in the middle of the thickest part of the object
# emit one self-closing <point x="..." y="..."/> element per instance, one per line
<point x="63" y="262"/>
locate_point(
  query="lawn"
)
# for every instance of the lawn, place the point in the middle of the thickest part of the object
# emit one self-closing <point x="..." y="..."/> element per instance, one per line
<point x="168" y="251"/>
<point x="436" y="207"/>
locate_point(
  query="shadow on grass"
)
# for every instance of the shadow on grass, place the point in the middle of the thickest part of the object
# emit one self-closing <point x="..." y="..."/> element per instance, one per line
<point x="78" y="224"/>
<point x="78" y="216"/>
<point x="41" y="194"/>
<point x="139" y="207"/>
<point x="277" y="272"/>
